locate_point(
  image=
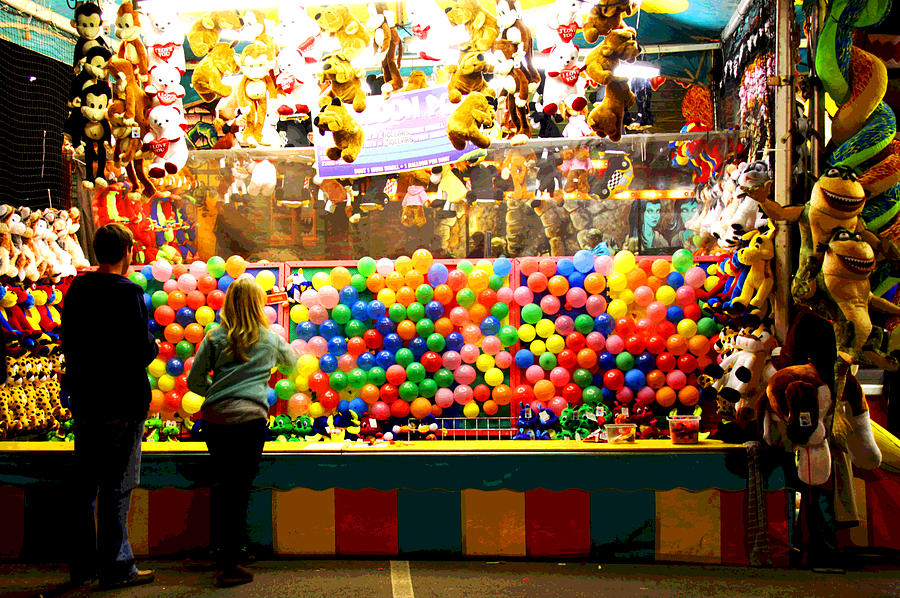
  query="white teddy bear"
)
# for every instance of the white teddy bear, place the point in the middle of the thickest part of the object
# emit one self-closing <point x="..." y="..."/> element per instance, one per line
<point x="166" y="141"/>
<point x="164" y="38"/>
<point x="562" y="22"/>
<point x="564" y="78"/>
<point x="165" y="86"/>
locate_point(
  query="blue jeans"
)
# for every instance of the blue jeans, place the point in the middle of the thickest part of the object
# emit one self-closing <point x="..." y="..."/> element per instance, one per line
<point x="107" y="468"/>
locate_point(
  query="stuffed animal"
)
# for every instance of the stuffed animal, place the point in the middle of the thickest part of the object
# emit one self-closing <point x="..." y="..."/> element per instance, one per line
<point x="564" y="78"/>
<point x="618" y="45"/>
<point x="387" y="44"/>
<point x="164" y="37"/>
<point x="606" y="118"/>
<point x="415" y="198"/>
<point x="605" y="16"/>
<point x="255" y="26"/>
<point x="348" y="135"/>
<point x="416" y="80"/>
<point x="54" y="227"/>
<point x="253" y="92"/>
<point x="480" y="25"/>
<point x="70" y="240"/>
<point x="263" y="178"/>
<point x="296" y="30"/>
<point x="164" y="86"/>
<point x="575" y="167"/>
<point x="9" y="253"/>
<point x="577" y="121"/>
<point x="128" y="29"/>
<point x="294" y="81"/>
<point x="468" y="76"/>
<point x="511" y="79"/>
<point x="512" y="28"/>
<point x="27" y="261"/>
<point x="343" y="80"/>
<point x="92" y="132"/>
<point x="467" y="120"/>
<point x="88" y="22"/>
<point x="562" y="22"/>
<point x="205" y="31"/>
<point x="93" y="69"/>
<point x="207" y="77"/>
<point x="337" y="21"/>
<point x="165" y="141"/>
<point x="127" y="90"/>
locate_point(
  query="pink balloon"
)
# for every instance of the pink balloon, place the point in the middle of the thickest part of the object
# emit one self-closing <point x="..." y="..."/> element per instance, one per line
<point x="557" y="404"/>
<point x="317" y="314"/>
<point x="505" y="295"/>
<point x="384" y="266"/>
<point x="170" y="285"/>
<point x="596" y="305"/>
<point x="298" y="346"/>
<point x="443" y="398"/>
<point x="503" y="360"/>
<point x="161" y="270"/>
<point x="643" y="296"/>
<point x="382" y="411"/>
<point x="603" y="264"/>
<point x="615" y="344"/>
<point x="270" y="313"/>
<point x="463" y="394"/>
<point x="317" y="345"/>
<point x="656" y="311"/>
<point x="309" y="297"/>
<point x="534" y="373"/>
<point x="469" y="353"/>
<point x="277" y="329"/>
<point x="576" y="297"/>
<point x="328" y="296"/>
<point x="188" y="364"/>
<point x="565" y="325"/>
<point x="298" y="404"/>
<point x="685" y="295"/>
<point x="187" y="283"/>
<point x="560" y="377"/>
<point x="491" y="345"/>
<point x="198" y="269"/>
<point x="624" y="395"/>
<point x="471" y="333"/>
<point x="459" y="316"/>
<point x="676" y="379"/>
<point x="346" y="362"/>
<point x="452" y="360"/>
<point x="695" y="277"/>
<point x="523" y="295"/>
<point x="646" y="396"/>
<point x="550" y="304"/>
<point x="464" y="374"/>
<point x="645" y="325"/>
<point x="595" y="341"/>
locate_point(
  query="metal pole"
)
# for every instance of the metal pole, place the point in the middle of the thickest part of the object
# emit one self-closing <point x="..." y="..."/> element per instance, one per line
<point x="784" y="102"/>
<point x="816" y="108"/>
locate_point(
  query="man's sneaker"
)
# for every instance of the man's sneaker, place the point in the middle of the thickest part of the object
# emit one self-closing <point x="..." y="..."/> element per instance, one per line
<point x="233" y="576"/>
<point x="138" y="579"/>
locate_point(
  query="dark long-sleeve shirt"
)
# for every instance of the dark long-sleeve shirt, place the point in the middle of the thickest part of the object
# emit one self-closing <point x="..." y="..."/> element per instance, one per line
<point x="107" y="347"/>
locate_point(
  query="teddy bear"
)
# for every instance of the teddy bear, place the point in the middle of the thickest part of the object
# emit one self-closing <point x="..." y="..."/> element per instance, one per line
<point x="575" y="167"/>
<point x="131" y="48"/>
<point x="296" y="93"/>
<point x="577" y="121"/>
<point x="9" y="253"/>
<point x="468" y="76"/>
<point x="165" y="141"/>
<point x="605" y="16"/>
<point x="480" y="25"/>
<point x="343" y="80"/>
<point x="347" y="134"/>
<point x="562" y="22"/>
<point x="40" y="240"/>
<point x="164" y="37"/>
<point x="415" y="196"/>
<point x="205" y="31"/>
<point x="127" y="90"/>
<point x="164" y="87"/>
<point x="607" y="116"/>
<point x="416" y="80"/>
<point x="296" y="30"/>
<point x="255" y="27"/>
<point x="338" y="22"/>
<point x="467" y="120"/>
<point x="564" y="79"/>
<point x="619" y="44"/>
<point x="62" y="258"/>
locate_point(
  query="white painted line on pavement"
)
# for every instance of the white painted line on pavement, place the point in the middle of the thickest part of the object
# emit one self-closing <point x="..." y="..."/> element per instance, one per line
<point x="401" y="581"/>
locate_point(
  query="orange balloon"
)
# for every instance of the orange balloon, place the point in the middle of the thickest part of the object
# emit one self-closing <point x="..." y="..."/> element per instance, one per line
<point x="528" y="265"/>
<point x="656" y="379"/>
<point x="406" y="330"/>
<point x="666" y="396"/>
<point x="636" y="278"/>
<point x="594" y="283"/>
<point x="369" y="393"/>
<point x="502" y="394"/>
<point x="490" y="407"/>
<point x="689" y="396"/>
<point x="157" y="399"/>
<point x="178" y="270"/>
<point x="406" y="296"/>
<point x="193" y="333"/>
<point x="586" y="358"/>
<point x="477" y="312"/>
<point x="394" y="281"/>
<point x="176" y="300"/>
<point x="558" y="285"/>
<point x="375" y="282"/>
<point x="414" y="278"/>
<point x="174" y="333"/>
<point x="661" y="268"/>
<point x="677" y="344"/>
<point x="698" y="345"/>
<point x="436" y="410"/>
<point x="654" y="283"/>
<point x="420" y="407"/>
<point x="544" y="390"/>
<point x="443" y="294"/>
<point x="547" y="267"/>
<point x="443" y="326"/>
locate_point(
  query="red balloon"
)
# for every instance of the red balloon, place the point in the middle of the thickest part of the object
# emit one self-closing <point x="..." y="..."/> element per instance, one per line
<point x="173" y="400"/>
<point x="207" y="284"/>
<point x="692" y="311"/>
<point x="625" y="327"/>
<point x="575" y="341"/>
<point x="665" y="329"/>
<point x="395" y="374"/>
<point x="646" y="265"/>
<point x="456" y="279"/>
<point x="373" y="338"/>
<point x="389" y="393"/>
<point x="614" y="379"/>
<point x="431" y="361"/>
<point x="523" y="393"/>
<point x="166" y="351"/>
<point x="181" y="383"/>
<point x="481" y="393"/>
<point x="215" y="299"/>
<point x="400" y="408"/>
<point x="687" y="363"/>
<point x="164" y="315"/>
<point x="656" y="344"/>
<point x="572" y="393"/>
<point x="380" y="411"/>
<point x="665" y="362"/>
<point x="487" y="298"/>
<point x="356" y="346"/>
<point x="567" y="358"/>
<point x="196" y="299"/>
<point x="329" y="399"/>
<point x="635" y="345"/>
<point x="319" y="382"/>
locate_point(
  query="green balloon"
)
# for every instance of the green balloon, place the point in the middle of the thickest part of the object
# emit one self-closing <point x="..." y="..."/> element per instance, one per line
<point x="508" y="335"/>
<point x="707" y="327"/>
<point x="357" y="378"/>
<point x="424" y="327"/>
<point x="158" y="298"/>
<point x="408" y="390"/>
<point x="338" y="380"/>
<point x="427" y="388"/>
<point x="584" y="324"/>
<point x="625" y="361"/>
<point x="415" y="311"/>
<point x="341" y="313"/>
<point x="435" y="342"/>
<point x="532" y="313"/>
<point x="582" y="377"/>
<point x="465" y="297"/>
<point x="547" y="360"/>
<point x="424" y="293"/>
<point x="500" y="310"/>
<point x="444" y="378"/>
<point x="215" y="266"/>
<point x="152" y="381"/>
<point x="358" y="282"/>
<point x="210" y="326"/>
<point x="591" y="395"/>
<point x="495" y="282"/>
<point x="354" y="328"/>
<point x="366" y="266"/>
<point x="376" y="376"/>
<point x="415" y="372"/>
<point x="397" y="312"/>
<point x="404" y="357"/>
<point x="682" y="260"/>
<point x="184" y="349"/>
<point x="466" y="266"/>
<point x="285" y="389"/>
<point x="138" y="279"/>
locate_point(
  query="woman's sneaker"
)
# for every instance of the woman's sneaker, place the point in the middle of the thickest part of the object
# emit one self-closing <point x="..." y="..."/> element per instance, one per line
<point x="233" y="576"/>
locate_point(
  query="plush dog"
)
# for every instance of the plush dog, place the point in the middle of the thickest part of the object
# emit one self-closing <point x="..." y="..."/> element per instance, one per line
<point x="480" y="25"/>
<point x="205" y="31"/>
<point x="607" y="116"/>
<point x="575" y="167"/>
<point x="619" y="44"/>
<point x="337" y="21"/>
<point x="605" y="16"/>
<point x="206" y="79"/>
<point x="467" y="120"/>
<point x="348" y="135"/>
<point x="468" y="76"/>
<point x="343" y="79"/>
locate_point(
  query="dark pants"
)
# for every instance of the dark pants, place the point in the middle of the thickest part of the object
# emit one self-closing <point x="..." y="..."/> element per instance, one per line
<point x="235" y="451"/>
<point x="107" y="468"/>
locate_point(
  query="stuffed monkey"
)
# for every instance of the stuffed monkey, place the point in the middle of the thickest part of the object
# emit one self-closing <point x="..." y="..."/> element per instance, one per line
<point x="254" y="91"/>
<point x="128" y="29"/>
<point x="93" y="132"/>
<point x="88" y="22"/>
<point x="387" y="44"/>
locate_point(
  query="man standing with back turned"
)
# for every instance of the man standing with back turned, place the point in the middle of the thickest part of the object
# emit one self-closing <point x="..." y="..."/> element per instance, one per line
<point x="107" y="346"/>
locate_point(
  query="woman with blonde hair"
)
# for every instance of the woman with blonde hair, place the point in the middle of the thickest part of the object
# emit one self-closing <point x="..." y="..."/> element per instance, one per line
<point x="240" y="354"/>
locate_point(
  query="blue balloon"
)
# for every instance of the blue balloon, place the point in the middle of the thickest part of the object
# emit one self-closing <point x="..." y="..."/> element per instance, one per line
<point x="584" y="261"/>
<point x="343" y="405"/>
<point x="154" y="327"/>
<point x="524" y="358"/>
<point x="576" y="279"/>
<point x="337" y="345"/>
<point x="490" y="326"/>
<point x="360" y="311"/>
<point x="147" y="272"/>
<point x="645" y="362"/>
<point x="606" y="361"/>
<point x="434" y="310"/>
<point x="365" y="361"/>
<point x="384" y="359"/>
<point x="437" y="274"/>
<point x="418" y="346"/>
<point x="328" y="363"/>
<point x="359" y="406"/>
<point x="148" y="301"/>
<point x="455" y="342"/>
<point x="393" y="342"/>
<point x="564" y="267"/>
<point x="674" y="314"/>
<point x="502" y="266"/>
<point x="271" y="397"/>
<point x="376" y="309"/>
<point x="174" y="367"/>
<point x="385" y="326"/>
<point x="675" y="280"/>
<point x="329" y="329"/>
<point x="184" y="316"/>
<point x="348" y="296"/>
<point x="306" y="330"/>
<point x="225" y="282"/>
<point x="635" y="379"/>
<point x="598" y="379"/>
<point x="609" y="396"/>
<point x="604" y="324"/>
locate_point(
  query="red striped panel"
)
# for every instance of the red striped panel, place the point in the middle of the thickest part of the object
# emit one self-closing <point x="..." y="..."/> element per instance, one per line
<point x="178" y="521"/>
<point x="734" y="527"/>
<point x="883" y="504"/>
<point x="779" y="527"/>
<point x="557" y="523"/>
<point x="365" y="521"/>
<point x="12" y="505"/>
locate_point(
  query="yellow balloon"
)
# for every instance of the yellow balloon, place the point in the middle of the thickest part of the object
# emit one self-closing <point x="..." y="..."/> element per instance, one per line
<point x="205" y="314"/>
<point x="316" y="410"/>
<point x="665" y="295"/>
<point x="712" y="269"/>
<point x="156" y="368"/>
<point x="617" y="281"/>
<point x="403" y="264"/>
<point x="191" y="402"/>
<point x="687" y="328"/>
<point x="165" y="383"/>
<point x="340" y="277"/>
<point x="421" y="261"/>
<point x="527" y="333"/>
<point x="299" y="313"/>
<point x="307" y="364"/>
<point x="485" y="265"/>
<point x="471" y="410"/>
<point x="493" y="377"/>
<point x="617" y="308"/>
<point x="710" y="283"/>
<point x="484" y="362"/>
<point x="265" y="279"/>
<point x="302" y="383"/>
<point x="235" y="266"/>
<point x="555" y="344"/>
<point x="479" y="280"/>
<point x="624" y="262"/>
<point x="545" y="328"/>
<point x="538" y="347"/>
<point x="626" y="295"/>
<point x="387" y="296"/>
<point x="320" y="279"/>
